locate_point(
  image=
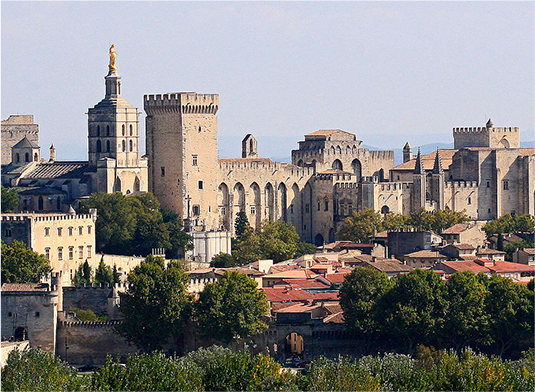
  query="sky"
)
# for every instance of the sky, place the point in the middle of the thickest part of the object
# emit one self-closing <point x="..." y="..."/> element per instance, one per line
<point x="389" y="72"/>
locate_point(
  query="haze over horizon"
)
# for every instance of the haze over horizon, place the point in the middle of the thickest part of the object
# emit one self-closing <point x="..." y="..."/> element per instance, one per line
<point x="407" y="71"/>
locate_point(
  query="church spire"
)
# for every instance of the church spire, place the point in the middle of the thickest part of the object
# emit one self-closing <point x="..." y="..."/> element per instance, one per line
<point x="437" y="167"/>
<point x="419" y="167"/>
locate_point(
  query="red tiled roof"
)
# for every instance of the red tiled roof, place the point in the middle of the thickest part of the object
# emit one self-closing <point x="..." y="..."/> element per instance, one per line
<point x="280" y="268"/>
<point x="468" y="265"/>
<point x="426" y="254"/>
<point x="299" y="308"/>
<point x="40" y="287"/>
<point x="446" y="156"/>
<point x="338" y="277"/>
<point x="456" y="229"/>
<point x="305" y="284"/>
<point x="507" y="266"/>
<point x="337" y="318"/>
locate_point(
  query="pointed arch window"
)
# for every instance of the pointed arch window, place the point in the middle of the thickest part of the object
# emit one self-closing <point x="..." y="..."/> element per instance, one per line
<point x="131" y="130"/>
<point x="17" y="157"/>
<point x="40" y="203"/>
<point x="131" y="145"/>
<point x="99" y="146"/>
<point x="123" y="129"/>
<point x="107" y="130"/>
<point x="98" y="130"/>
<point x="27" y="157"/>
<point x="107" y="146"/>
<point x="124" y="146"/>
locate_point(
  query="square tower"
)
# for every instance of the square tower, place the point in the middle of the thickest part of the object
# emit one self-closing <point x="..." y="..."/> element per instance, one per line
<point x="182" y="151"/>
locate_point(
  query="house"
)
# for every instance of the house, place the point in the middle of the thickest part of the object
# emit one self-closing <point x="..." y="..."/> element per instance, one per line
<point x="391" y="267"/>
<point x="524" y="256"/>
<point x="518" y="272"/>
<point x="467" y="233"/>
<point x="491" y="254"/>
<point x="458" y="250"/>
<point x="404" y="241"/>
<point x="424" y="258"/>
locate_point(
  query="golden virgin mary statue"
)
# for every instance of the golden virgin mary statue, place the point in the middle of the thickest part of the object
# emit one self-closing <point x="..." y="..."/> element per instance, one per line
<point x="112" y="67"/>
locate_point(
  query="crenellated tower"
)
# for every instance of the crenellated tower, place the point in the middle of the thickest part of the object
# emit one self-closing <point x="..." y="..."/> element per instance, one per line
<point x="182" y="151"/>
<point x="488" y="136"/>
<point x="419" y="184"/>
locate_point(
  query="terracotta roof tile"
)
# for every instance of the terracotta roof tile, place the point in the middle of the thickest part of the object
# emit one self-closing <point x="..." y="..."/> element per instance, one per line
<point x="40" y="287"/>
<point x="446" y="155"/>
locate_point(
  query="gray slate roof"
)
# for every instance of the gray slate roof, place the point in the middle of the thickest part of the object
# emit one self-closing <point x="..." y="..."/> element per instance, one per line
<point x="64" y="169"/>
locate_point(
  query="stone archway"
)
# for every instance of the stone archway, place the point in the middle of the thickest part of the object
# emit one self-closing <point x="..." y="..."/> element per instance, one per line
<point x="283" y="202"/>
<point x="318" y="240"/>
<point x="294" y="344"/>
<point x="270" y="202"/>
<point x="20" y="334"/>
<point x="224" y="205"/>
<point x="357" y="168"/>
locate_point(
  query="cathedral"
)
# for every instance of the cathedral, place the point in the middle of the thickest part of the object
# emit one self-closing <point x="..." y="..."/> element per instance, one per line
<point x="486" y="174"/>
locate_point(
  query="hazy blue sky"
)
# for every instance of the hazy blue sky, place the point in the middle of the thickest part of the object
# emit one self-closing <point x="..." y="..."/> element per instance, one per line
<point x="281" y="68"/>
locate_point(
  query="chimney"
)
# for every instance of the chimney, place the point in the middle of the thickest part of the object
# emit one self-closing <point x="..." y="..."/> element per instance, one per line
<point x="52" y="154"/>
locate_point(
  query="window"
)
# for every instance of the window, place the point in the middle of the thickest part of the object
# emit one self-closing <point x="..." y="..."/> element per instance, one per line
<point x="71" y="252"/>
<point x="253" y="210"/>
<point x="17" y="157"/>
<point x="8" y="232"/>
<point x="469" y="200"/>
<point x="131" y="130"/>
<point x="131" y="145"/>
<point x="80" y="230"/>
<point x="319" y="205"/>
<point x="163" y="171"/>
<point x="123" y="129"/>
<point x="196" y="210"/>
<point x="201" y="184"/>
<point x="47" y="253"/>
<point x="488" y="184"/>
<point x="27" y="157"/>
<point x="123" y="146"/>
<point x="98" y="130"/>
<point x="326" y="205"/>
<point x="80" y="252"/>
<point x="291" y="208"/>
<point x="349" y="209"/>
<point x="194" y="160"/>
<point x="88" y="229"/>
<point x="9" y="314"/>
<point x="89" y="251"/>
<point x="71" y="229"/>
<point x="307" y="208"/>
<point x="223" y="210"/>
<point x="60" y="231"/>
<point x="47" y="231"/>
<point x="107" y="146"/>
<point x="107" y="131"/>
<point x="60" y="253"/>
<point x="505" y="185"/>
<point x="37" y="314"/>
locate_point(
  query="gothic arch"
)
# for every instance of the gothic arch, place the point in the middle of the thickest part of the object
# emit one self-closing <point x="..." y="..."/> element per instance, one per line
<point x="332" y="150"/>
<point x="108" y="146"/>
<point x="99" y="146"/>
<point x="385" y="210"/>
<point x="123" y="130"/>
<point x="137" y="184"/>
<point x="318" y="240"/>
<point x="338" y="150"/>
<point x="295" y="207"/>
<point x="131" y="130"/>
<point x="337" y="165"/>
<point x="131" y="145"/>
<point x="117" y="186"/>
<point x="224" y="205"/>
<point x="239" y="197"/>
<point x="505" y="143"/>
<point x="283" y="202"/>
<point x="257" y="203"/>
<point x="270" y="201"/>
<point x="357" y="168"/>
<point x="331" y="235"/>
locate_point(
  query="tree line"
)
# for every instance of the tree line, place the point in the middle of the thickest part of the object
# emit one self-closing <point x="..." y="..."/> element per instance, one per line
<point x="419" y="308"/>
<point x="221" y="369"/>
<point x="361" y="225"/>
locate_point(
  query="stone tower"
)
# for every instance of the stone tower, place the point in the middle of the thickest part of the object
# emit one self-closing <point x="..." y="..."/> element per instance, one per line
<point x="437" y="182"/>
<point x="14" y="129"/>
<point x="25" y="152"/>
<point x="419" y="184"/>
<point x="407" y="152"/>
<point x="113" y="144"/>
<point x="488" y="136"/>
<point x="182" y="151"/>
<point x="249" y="147"/>
<point x="113" y="127"/>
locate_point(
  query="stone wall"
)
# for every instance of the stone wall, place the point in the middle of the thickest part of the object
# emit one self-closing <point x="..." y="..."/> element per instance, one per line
<point x="13" y="131"/>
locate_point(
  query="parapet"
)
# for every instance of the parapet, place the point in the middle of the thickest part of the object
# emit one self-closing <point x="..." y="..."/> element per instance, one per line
<point x="461" y="184"/>
<point x="19" y="119"/>
<point x="188" y="103"/>
<point x="44" y="217"/>
<point x="484" y="129"/>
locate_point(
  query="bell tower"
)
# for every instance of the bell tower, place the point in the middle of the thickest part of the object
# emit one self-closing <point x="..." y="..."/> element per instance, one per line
<point x="113" y="130"/>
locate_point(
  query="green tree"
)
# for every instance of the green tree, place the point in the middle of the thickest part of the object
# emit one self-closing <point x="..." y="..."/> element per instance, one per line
<point x="135" y="225"/>
<point x="442" y="219"/>
<point x="155" y="304"/>
<point x="241" y="224"/>
<point x="35" y="370"/>
<point x="223" y="260"/>
<point x="84" y="275"/>
<point x="413" y="309"/>
<point x="104" y="274"/>
<point x="22" y="265"/>
<point x="360" y="225"/>
<point x="304" y="248"/>
<point x="116" y="275"/>
<point x="359" y="296"/>
<point x="10" y="199"/>
<point x="275" y="240"/>
<point x="392" y="221"/>
<point x="232" y="308"/>
<point x="466" y="321"/>
<point x="510" y="310"/>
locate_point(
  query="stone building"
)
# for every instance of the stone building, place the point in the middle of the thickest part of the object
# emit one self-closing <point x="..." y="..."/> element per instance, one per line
<point x="114" y="162"/>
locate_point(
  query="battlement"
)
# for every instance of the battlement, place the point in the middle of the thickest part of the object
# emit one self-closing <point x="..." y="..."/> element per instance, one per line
<point x="332" y="176"/>
<point x="475" y="130"/>
<point x="346" y="185"/>
<point x="395" y="186"/>
<point x="19" y="119"/>
<point x="89" y="324"/>
<point x="265" y="166"/>
<point x="461" y="184"/>
<point x="43" y="217"/>
<point x="187" y="103"/>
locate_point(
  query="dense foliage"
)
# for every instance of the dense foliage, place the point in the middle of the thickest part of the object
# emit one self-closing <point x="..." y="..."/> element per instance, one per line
<point x="493" y="314"/>
<point x="360" y="225"/>
<point x="135" y="224"/>
<point x="276" y="241"/>
<point x="155" y="304"/>
<point x="10" y="199"/>
<point x="87" y="315"/>
<point x="219" y="369"/>
<point x="231" y="308"/>
<point x="84" y="275"/>
<point x="105" y="274"/>
<point x="511" y="224"/>
<point x="223" y="260"/>
<point x="20" y="264"/>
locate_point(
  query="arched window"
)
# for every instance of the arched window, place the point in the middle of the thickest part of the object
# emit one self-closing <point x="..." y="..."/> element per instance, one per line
<point x="17" y="157"/>
<point x="124" y="145"/>
<point x="123" y="129"/>
<point x="337" y="165"/>
<point x="131" y="130"/>
<point x="35" y="157"/>
<point x="58" y="203"/>
<point x="131" y="145"/>
<point x="107" y="130"/>
<point x="99" y="146"/>
<point x="40" y="203"/>
<point x="27" y="157"/>
<point x="98" y="130"/>
<point x="107" y="146"/>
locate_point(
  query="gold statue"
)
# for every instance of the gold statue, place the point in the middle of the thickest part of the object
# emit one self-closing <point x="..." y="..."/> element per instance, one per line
<point x="113" y="54"/>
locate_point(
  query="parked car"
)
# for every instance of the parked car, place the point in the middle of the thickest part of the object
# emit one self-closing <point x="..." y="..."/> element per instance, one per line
<point x="87" y="368"/>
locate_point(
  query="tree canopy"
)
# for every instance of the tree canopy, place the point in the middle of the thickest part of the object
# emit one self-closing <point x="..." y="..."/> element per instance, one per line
<point x="511" y="224"/>
<point x="232" y="308"/>
<point x="155" y="304"/>
<point x="274" y="240"/>
<point x="20" y="264"/>
<point x="360" y="225"/>
<point x="135" y="225"/>
<point x="10" y="199"/>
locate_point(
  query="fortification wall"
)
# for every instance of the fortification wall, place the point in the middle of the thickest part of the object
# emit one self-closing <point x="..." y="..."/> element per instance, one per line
<point x="94" y="297"/>
<point x="89" y="342"/>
